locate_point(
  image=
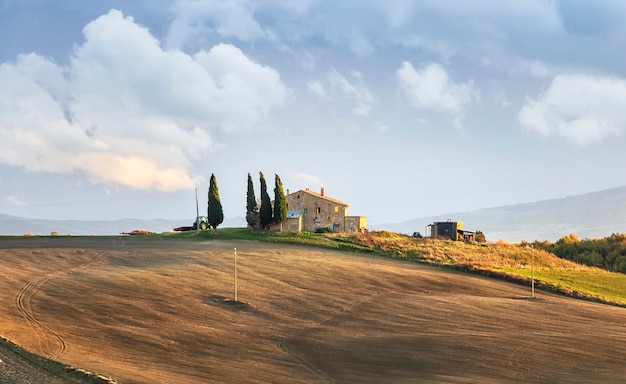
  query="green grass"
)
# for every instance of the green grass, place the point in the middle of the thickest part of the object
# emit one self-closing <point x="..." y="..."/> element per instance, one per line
<point x="55" y="368"/>
<point x="285" y="237"/>
<point x="598" y="284"/>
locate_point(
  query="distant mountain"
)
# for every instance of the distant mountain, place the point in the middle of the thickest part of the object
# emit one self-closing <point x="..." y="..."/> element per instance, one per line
<point x="592" y="215"/>
<point x="12" y="225"/>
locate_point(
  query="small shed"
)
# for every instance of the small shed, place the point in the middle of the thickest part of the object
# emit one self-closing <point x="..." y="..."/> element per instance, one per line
<point x="452" y="230"/>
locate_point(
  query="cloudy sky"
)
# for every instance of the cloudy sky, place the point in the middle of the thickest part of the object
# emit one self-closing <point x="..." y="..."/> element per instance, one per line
<point x="400" y="108"/>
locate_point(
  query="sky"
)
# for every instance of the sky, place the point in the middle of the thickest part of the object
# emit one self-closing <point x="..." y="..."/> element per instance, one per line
<point x="401" y="109"/>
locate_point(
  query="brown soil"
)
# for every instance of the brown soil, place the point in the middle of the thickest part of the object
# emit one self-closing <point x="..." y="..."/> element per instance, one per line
<point x="163" y="311"/>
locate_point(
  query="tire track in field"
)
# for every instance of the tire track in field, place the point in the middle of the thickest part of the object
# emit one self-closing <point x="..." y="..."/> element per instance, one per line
<point x="311" y="367"/>
<point x="51" y="343"/>
<point x="334" y="314"/>
<point x="44" y="334"/>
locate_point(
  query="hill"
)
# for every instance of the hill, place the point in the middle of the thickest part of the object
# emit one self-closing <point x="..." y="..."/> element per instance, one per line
<point x="591" y="215"/>
<point x="17" y="226"/>
<point x="159" y="309"/>
<point x="502" y="260"/>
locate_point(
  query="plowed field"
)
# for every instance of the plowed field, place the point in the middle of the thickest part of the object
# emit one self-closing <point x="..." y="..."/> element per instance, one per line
<point x="146" y="310"/>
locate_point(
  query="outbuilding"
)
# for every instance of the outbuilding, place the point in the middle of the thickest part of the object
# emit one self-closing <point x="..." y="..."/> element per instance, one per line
<point x="452" y="230"/>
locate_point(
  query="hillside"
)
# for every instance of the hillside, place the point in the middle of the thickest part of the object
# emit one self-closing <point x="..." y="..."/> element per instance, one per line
<point x="17" y="226"/>
<point x="159" y="309"/>
<point x="502" y="260"/>
<point x="511" y="262"/>
<point x="591" y="215"/>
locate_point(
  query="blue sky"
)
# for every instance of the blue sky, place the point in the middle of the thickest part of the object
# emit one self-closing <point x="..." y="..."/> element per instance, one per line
<point x="402" y="109"/>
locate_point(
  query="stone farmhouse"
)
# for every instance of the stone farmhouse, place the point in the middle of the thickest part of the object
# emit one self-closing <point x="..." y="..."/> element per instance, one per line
<point x="310" y="210"/>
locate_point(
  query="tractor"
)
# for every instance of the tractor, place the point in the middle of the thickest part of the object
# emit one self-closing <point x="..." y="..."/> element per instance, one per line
<point x="201" y="223"/>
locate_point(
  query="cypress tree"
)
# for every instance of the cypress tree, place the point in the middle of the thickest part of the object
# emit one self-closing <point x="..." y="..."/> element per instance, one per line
<point x="265" y="214"/>
<point x="280" y="202"/>
<point x="252" y="209"/>
<point x="215" y="214"/>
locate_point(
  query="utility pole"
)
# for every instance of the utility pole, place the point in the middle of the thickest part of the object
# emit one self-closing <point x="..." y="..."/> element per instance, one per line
<point x="197" y="211"/>
<point x="532" y="271"/>
<point x="235" y="265"/>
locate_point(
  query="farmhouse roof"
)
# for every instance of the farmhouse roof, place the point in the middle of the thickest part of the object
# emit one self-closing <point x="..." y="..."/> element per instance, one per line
<point x="321" y="196"/>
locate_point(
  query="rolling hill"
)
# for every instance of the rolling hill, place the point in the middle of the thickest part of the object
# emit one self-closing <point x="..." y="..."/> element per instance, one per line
<point x="159" y="309"/>
<point x="12" y="225"/>
<point x="591" y="215"/>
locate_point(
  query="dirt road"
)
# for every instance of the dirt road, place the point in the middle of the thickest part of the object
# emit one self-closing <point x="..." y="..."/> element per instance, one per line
<point x="162" y="311"/>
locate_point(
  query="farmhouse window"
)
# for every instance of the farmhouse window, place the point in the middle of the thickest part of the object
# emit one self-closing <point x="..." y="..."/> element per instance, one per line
<point x="306" y="210"/>
<point x="336" y="208"/>
<point x="318" y="210"/>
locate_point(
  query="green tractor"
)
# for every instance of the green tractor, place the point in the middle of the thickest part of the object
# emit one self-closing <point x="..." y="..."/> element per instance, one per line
<point x="201" y="223"/>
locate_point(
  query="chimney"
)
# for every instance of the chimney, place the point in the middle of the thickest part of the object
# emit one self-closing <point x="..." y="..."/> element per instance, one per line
<point x="322" y="191"/>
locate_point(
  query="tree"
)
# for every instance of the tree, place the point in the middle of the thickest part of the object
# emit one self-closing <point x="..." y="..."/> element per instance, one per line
<point x="252" y="209"/>
<point x="280" y="202"/>
<point x="572" y="238"/>
<point x="215" y="214"/>
<point x="480" y="237"/>
<point x="265" y="212"/>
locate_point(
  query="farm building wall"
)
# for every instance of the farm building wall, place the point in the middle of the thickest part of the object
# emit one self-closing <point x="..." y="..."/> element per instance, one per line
<point x="320" y="211"/>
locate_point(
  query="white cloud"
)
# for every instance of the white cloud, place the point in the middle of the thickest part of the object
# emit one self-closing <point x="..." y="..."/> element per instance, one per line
<point x="15" y="201"/>
<point x="317" y="89"/>
<point x="126" y="111"/>
<point x="492" y="30"/>
<point x="583" y="109"/>
<point x="245" y="91"/>
<point x="431" y="88"/>
<point x="355" y="91"/>
<point x="196" y="20"/>
<point x="34" y="131"/>
<point x="444" y="28"/>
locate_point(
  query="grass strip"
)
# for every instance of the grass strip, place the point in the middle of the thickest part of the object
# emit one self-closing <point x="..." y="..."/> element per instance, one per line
<point x="55" y="368"/>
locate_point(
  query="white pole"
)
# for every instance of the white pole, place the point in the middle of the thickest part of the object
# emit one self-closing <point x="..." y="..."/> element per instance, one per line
<point x="235" y="265"/>
<point x="532" y="270"/>
<point x="197" y="211"/>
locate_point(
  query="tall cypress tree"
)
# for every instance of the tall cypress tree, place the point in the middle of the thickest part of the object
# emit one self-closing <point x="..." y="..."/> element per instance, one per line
<point x="252" y="209"/>
<point x="215" y="214"/>
<point x="265" y="213"/>
<point x="280" y="202"/>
